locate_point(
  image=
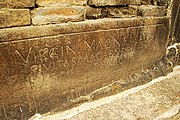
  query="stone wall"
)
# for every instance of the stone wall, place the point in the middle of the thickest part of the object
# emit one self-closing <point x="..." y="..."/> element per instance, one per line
<point x="55" y="51"/>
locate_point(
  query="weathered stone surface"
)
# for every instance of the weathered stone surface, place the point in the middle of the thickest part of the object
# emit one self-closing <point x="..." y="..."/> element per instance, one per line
<point x="93" y="13"/>
<point x="16" y="3"/>
<point x="161" y="2"/>
<point x="157" y="100"/>
<point x="112" y="2"/>
<point x="116" y="12"/>
<point x="150" y="10"/>
<point x="127" y="2"/>
<point x="14" y="17"/>
<point x="60" y="2"/>
<point x="20" y="33"/>
<point x="40" y="73"/>
<point x="54" y="15"/>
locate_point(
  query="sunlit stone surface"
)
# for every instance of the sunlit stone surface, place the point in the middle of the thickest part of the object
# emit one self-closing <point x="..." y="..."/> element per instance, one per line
<point x="157" y="100"/>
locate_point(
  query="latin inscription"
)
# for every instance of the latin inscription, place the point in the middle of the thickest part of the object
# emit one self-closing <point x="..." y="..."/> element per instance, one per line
<point x="34" y="67"/>
<point x="108" y="49"/>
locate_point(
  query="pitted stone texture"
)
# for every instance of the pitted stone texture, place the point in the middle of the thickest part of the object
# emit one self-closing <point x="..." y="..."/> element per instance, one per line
<point x="14" y="17"/>
<point x="54" y="15"/>
<point x="119" y="12"/>
<point x="112" y="2"/>
<point x="150" y="10"/>
<point x="60" y="2"/>
<point x="16" y="3"/>
<point x="93" y="13"/>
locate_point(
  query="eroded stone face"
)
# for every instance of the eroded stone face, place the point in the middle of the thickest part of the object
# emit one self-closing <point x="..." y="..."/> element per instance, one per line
<point x="14" y="17"/>
<point x="116" y="2"/>
<point x="55" y="15"/>
<point x="153" y="11"/>
<point x="16" y="3"/>
<point x="40" y="73"/>
<point x="60" y="2"/>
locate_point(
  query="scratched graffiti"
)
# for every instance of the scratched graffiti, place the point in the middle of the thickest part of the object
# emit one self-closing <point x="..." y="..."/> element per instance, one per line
<point x="34" y="67"/>
<point x="73" y="55"/>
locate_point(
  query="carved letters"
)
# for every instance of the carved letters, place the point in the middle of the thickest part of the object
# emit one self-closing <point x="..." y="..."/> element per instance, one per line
<point x="113" y="48"/>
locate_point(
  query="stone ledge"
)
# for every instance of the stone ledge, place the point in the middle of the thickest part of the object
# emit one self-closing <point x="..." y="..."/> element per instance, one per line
<point x="19" y="33"/>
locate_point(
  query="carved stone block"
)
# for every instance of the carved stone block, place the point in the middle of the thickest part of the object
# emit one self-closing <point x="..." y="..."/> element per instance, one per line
<point x="40" y="74"/>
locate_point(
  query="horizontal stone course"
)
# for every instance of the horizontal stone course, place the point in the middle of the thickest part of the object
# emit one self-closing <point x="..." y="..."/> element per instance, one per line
<point x="14" y="17"/>
<point x="17" y="3"/>
<point x="20" y="33"/>
<point x="55" y="15"/>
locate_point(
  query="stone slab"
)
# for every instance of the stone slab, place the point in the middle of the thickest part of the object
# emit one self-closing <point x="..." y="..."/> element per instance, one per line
<point x="17" y="3"/>
<point x="14" y="17"/>
<point x="40" y="73"/>
<point x="20" y="33"/>
<point x="54" y="15"/>
<point x="151" y="10"/>
<point x="60" y="2"/>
